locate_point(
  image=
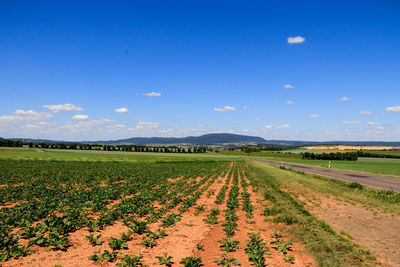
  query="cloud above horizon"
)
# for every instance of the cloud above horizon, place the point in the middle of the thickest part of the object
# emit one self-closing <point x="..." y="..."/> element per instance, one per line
<point x="288" y="86"/>
<point x="296" y="40"/>
<point x="80" y="117"/>
<point x="284" y="126"/>
<point x="314" y="116"/>
<point x="393" y="109"/>
<point x="62" y="107"/>
<point x="121" y="110"/>
<point x="151" y="94"/>
<point x="344" y="98"/>
<point x="225" y="109"/>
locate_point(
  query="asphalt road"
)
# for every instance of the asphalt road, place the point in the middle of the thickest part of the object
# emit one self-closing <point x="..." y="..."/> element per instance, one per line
<point x="375" y="180"/>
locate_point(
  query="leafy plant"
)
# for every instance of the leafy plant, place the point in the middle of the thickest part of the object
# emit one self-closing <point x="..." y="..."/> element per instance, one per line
<point x="170" y="220"/>
<point x="96" y="257"/>
<point x="94" y="240"/>
<point x="147" y="242"/>
<point x="191" y="261"/>
<point x="138" y="227"/>
<point x="288" y="258"/>
<point x="116" y="244"/>
<point x="199" y="246"/>
<point x="228" y="245"/>
<point x="165" y="260"/>
<point x="131" y="260"/>
<point x="255" y="250"/>
<point x="227" y="262"/>
<point x="109" y="256"/>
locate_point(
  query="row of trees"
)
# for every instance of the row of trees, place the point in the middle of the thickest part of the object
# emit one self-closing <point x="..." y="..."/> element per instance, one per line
<point x="10" y="143"/>
<point x="376" y="155"/>
<point x="349" y="156"/>
<point x="128" y="148"/>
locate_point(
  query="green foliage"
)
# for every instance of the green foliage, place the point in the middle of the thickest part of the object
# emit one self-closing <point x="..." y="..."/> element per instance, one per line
<point x="131" y="261"/>
<point x="138" y="227"/>
<point x="228" y="245"/>
<point x="148" y="242"/>
<point x="255" y="250"/>
<point x="165" y="260"/>
<point x="94" y="240"/>
<point x="170" y="220"/>
<point x="117" y="244"/>
<point x="227" y="262"/>
<point x="191" y="261"/>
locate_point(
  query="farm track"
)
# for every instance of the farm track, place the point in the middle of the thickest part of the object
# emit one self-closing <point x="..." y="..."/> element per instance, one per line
<point x="385" y="182"/>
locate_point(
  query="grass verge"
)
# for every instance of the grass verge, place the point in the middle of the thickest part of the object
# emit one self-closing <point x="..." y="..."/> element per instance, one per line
<point x="328" y="247"/>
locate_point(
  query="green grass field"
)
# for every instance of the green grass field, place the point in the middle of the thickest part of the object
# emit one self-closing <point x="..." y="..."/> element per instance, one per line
<point x="84" y="155"/>
<point x="372" y="165"/>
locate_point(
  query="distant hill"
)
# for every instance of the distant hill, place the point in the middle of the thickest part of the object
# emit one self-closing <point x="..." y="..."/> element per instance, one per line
<point x="207" y="139"/>
<point x="224" y="139"/>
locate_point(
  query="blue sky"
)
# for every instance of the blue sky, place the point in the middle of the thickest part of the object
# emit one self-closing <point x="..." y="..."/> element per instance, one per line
<point x="89" y="70"/>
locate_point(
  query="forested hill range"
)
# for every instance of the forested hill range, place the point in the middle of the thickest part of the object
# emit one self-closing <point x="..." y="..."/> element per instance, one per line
<point x="220" y="139"/>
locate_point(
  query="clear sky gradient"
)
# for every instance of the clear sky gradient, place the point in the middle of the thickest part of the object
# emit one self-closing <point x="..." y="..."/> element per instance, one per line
<point x="179" y="68"/>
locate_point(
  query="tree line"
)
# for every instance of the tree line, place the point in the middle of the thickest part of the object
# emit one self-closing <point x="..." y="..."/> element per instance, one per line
<point x="349" y="156"/>
<point x="78" y="146"/>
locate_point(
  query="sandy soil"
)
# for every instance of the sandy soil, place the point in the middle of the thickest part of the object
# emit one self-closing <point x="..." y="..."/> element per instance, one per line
<point x="380" y="233"/>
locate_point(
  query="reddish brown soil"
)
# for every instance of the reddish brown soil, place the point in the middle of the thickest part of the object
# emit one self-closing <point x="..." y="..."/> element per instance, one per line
<point x="379" y="232"/>
<point x="181" y="240"/>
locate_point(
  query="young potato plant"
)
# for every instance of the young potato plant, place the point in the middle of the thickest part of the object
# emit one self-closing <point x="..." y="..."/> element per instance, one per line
<point x="131" y="260"/>
<point x="148" y="242"/>
<point x="227" y="262"/>
<point x="255" y="250"/>
<point x="117" y="244"/>
<point x="94" y="240"/>
<point x="165" y="260"/>
<point x="191" y="261"/>
<point x="212" y="217"/>
<point x="228" y="245"/>
<point x="170" y="220"/>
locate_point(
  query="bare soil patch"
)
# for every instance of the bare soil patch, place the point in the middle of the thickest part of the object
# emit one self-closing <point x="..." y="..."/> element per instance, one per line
<point x="378" y="232"/>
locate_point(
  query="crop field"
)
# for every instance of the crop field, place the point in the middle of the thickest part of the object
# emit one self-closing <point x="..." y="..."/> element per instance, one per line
<point x="117" y="213"/>
<point x="113" y="213"/>
<point x="84" y="155"/>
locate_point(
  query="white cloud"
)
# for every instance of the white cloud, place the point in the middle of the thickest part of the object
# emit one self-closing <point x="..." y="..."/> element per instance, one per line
<point x="352" y="122"/>
<point x="169" y="130"/>
<point x="226" y="108"/>
<point x="258" y="118"/>
<point x="284" y="126"/>
<point x="345" y="98"/>
<point x="393" y="109"/>
<point x="314" y="116"/>
<point x="245" y="130"/>
<point x="21" y="115"/>
<point x="366" y="112"/>
<point x="119" y="126"/>
<point x="288" y="86"/>
<point x="121" y="110"/>
<point x="147" y="125"/>
<point x="63" y="107"/>
<point x="372" y="123"/>
<point x="296" y="40"/>
<point x="80" y="117"/>
<point x="151" y="94"/>
<point x="289" y="102"/>
<point x="245" y="107"/>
